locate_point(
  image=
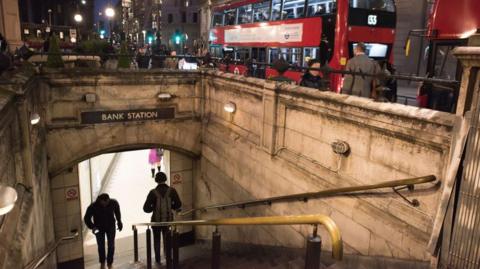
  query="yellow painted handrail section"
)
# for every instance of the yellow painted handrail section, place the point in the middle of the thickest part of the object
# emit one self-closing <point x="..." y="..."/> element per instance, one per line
<point x="327" y="222"/>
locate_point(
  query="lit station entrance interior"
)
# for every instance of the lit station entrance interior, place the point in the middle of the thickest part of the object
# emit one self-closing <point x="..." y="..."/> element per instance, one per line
<point x="125" y="176"/>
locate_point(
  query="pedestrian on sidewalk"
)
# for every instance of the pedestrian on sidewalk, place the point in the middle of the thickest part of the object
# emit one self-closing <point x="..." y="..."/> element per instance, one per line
<point x="160" y="202"/>
<point x="155" y="160"/>
<point x="363" y="86"/>
<point x="105" y="212"/>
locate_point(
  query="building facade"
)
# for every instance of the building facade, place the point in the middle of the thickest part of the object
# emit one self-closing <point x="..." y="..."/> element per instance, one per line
<point x="176" y="23"/>
<point x="10" y="23"/>
<point x="39" y="18"/>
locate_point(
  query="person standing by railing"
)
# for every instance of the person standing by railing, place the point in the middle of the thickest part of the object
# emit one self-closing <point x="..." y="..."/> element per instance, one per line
<point x="172" y="61"/>
<point x="362" y="86"/>
<point x="313" y="78"/>
<point x="160" y="202"/>
<point x="105" y="212"/>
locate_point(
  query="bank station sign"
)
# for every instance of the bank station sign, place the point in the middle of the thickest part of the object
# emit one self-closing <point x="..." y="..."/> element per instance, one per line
<point x="93" y="117"/>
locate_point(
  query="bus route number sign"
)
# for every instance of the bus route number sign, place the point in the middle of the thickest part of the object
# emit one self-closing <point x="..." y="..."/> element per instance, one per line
<point x="372" y="20"/>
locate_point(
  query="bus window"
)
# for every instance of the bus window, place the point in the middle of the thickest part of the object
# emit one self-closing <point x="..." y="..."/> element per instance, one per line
<point x="293" y="9"/>
<point x="217" y="19"/>
<point x="446" y="64"/>
<point x="261" y="11"/>
<point x="292" y="55"/>
<point x="321" y="7"/>
<point x="273" y="55"/>
<point x="310" y="54"/>
<point x="382" y="5"/>
<point x="276" y="10"/>
<point x="230" y="16"/>
<point x="245" y="14"/>
<point x="295" y="56"/>
<point x="259" y="54"/>
<point x="216" y="51"/>
<point x="242" y="54"/>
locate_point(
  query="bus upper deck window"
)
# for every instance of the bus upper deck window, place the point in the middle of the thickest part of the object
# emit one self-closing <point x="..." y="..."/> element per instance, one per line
<point x="260" y="11"/>
<point x="321" y="7"/>
<point x="217" y="19"/>
<point x="245" y="14"/>
<point x="293" y="9"/>
<point x="230" y="16"/>
<point x="382" y="5"/>
<point x="276" y="10"/>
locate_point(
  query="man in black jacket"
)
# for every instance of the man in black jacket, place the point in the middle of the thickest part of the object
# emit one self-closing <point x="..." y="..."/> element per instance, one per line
<point x="104" y="212"/>
<point x="313" y="78"/>
<point x="161" y="201"/>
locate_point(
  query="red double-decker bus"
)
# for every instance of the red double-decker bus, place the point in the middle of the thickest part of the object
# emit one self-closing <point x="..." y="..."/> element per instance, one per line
<point x="450" y="24"/>
<point x="299" y="30"/>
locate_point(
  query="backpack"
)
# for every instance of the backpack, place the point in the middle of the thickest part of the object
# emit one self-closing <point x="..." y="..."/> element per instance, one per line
<point x="163" y="207"/>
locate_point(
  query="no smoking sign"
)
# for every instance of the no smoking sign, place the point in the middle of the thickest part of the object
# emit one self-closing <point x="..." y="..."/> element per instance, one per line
<point x="71" y="193"/>
<point x="177" y="179"/>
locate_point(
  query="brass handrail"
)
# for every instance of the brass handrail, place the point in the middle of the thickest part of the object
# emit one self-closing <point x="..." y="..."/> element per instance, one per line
<point x="309" y="195"/>
<point x="327" y="222"/>
<point x="37" y="262"/>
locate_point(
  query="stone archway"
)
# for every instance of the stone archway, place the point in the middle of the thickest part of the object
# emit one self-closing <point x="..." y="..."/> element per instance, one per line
<point x="67" y="212"/>
<point x="68" y="146"/>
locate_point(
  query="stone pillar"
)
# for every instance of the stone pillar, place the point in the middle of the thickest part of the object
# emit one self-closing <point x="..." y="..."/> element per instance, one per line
<point x="10" y="23"/>
<point x="24" y="124"/>
<point x="205" y="19"/>
<point x="470" y="59"/>
<point x="269" y="117"/>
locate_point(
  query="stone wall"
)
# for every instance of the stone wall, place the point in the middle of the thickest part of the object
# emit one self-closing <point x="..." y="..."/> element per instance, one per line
<point x="27" y="230"/>
<point x="278" y="142"/>
<point x="65" y="98"/>
<point x="67" y="217"/>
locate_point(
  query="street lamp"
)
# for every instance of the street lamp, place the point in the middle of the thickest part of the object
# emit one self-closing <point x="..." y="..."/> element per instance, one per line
<point x="78" y="18"/>
<point x="49" y="17"/>
<point x="110" y="13"/>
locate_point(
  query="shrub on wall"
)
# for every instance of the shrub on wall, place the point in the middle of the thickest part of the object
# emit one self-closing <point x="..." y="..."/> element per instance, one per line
<point x="123" y="58"/>
<point x="54" y="59"/>
<point x="93" y="46"/>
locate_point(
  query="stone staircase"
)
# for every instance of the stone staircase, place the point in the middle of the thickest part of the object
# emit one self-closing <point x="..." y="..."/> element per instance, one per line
<point x="252" y="257"/>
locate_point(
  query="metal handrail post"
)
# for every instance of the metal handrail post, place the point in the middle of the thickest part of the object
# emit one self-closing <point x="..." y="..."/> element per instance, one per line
<point x="135" y="244"/>
<point x="175" y="248"/>
<point x="314" y="247"/>
<point x="149" y="248"/>
<point x="216" y="246"/>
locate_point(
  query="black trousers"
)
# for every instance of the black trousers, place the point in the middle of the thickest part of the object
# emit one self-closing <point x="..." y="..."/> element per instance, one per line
<point x="110" y="233"/>
<point x="167" y="245"/>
